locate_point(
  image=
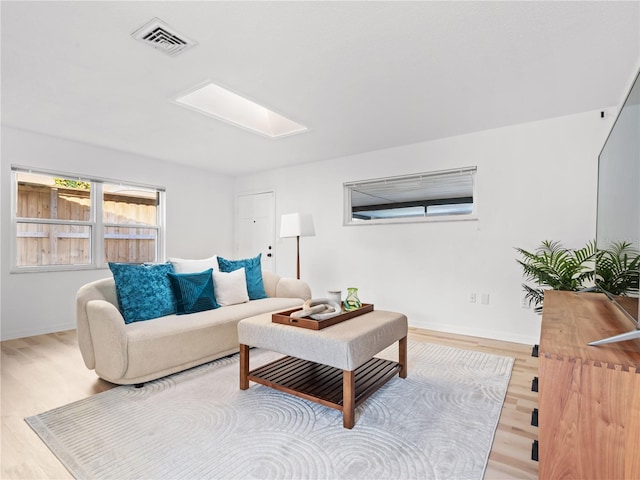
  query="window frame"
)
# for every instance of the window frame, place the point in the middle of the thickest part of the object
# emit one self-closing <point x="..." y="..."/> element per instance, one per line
<point x="348" y="188"/>
<point x="96" y="221"/>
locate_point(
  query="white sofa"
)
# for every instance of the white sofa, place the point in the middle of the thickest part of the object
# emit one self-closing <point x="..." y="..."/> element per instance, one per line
<point x="138" y="352"/>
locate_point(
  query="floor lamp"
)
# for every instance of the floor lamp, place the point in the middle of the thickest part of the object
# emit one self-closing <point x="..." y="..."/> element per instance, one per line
<point x="297" y="225"/>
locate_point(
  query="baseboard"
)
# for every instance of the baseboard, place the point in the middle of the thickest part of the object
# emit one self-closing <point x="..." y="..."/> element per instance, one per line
<point x="477" y="332"/>
<point x="30" y="332"/>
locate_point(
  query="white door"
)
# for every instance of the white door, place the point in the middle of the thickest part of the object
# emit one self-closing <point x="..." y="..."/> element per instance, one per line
<point x="255" y="229"/>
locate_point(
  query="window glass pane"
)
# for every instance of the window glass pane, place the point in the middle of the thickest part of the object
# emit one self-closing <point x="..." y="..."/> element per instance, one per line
<point x="53" y="244"/>
<point x="389" y="213"/>
<point x="125" y="205"/>
<point x="49" y="197"/>
<point x="456" y="209"/>
<point x="130" y="244"/>
<point x="411" y="197"/>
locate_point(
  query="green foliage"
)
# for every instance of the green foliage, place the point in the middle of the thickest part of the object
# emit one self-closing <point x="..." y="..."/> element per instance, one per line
<point x="64" y="182"/>
<point x="617" y="268"/>
<point x="556" y="267"/>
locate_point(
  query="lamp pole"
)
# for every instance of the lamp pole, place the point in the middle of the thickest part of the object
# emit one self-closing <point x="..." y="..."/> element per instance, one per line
<point x="298" y="255"/>
<point x="296" y="225"/>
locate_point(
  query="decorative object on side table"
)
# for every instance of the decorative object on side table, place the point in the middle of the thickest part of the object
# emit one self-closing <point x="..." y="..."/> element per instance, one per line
<point x="318" y="309"/>
<point x="352" y="302"/>
<point x="335" y="296"/>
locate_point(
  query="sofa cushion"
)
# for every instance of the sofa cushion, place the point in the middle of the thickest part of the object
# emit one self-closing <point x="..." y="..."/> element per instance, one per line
<point x="169" y="341"/>
<point x="193" y="291"/>
<point x="230" y="287"/>
<point x="253" y="272"/>
<point x="184" y="265"/>
<point x="143" y="290"/>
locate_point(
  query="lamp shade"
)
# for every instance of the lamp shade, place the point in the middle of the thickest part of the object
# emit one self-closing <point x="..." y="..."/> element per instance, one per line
<point x="296" y="225"/>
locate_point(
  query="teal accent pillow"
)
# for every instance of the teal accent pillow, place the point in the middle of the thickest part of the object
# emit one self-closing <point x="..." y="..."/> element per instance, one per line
<point x="253" y="272"/>
<point x="193" y="291"/>
<point x="143" y="290"/>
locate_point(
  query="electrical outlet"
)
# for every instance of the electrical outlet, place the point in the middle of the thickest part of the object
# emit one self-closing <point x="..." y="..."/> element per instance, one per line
<point x="484" y="299"/>
<point x="472" y="298"/>
<point x="524" y="302"/>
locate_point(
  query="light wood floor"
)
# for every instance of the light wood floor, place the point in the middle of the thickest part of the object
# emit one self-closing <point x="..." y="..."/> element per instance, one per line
<point x="43" y="372"/>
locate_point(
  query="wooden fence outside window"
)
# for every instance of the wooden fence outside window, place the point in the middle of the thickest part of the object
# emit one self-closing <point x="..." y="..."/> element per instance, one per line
<point x="46" y="242"/>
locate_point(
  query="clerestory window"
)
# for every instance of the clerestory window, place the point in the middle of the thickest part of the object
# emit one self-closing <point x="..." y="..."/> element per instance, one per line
<point x="428" y="196"/>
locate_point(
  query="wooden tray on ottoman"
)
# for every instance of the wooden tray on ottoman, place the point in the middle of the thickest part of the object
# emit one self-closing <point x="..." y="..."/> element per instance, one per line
<point x="285" y="318"/>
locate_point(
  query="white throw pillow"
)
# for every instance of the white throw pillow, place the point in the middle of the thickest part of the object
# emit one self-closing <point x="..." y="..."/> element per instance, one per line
<point x="230" y="288"/>
<point x="182" y="265"/>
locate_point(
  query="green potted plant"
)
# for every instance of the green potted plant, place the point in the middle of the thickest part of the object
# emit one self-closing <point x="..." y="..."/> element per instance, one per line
<point x="553" y="266"/>
<point x="617" y="268"/>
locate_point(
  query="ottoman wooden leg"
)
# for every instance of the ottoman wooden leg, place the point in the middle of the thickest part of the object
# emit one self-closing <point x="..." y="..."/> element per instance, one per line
<point x="244" y="367"/>
<point x="348" y="398"/>
<point x="402" y="357"/>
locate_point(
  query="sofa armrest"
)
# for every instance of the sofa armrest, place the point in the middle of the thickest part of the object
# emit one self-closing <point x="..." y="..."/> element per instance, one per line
<point x="293" y="288"/>
<point x="104" y="289"/>
<point x="109" y="338"/>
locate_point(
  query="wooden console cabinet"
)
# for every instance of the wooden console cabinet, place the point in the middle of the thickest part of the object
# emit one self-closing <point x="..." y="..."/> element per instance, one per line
<point x="589" y="397"/>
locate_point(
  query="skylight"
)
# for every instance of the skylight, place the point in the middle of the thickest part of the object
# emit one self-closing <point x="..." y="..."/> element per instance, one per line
<point x="215" y="101"/>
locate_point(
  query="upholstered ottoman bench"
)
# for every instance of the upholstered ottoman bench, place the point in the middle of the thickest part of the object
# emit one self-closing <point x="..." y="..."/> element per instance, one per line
<point x="334" y="366"/>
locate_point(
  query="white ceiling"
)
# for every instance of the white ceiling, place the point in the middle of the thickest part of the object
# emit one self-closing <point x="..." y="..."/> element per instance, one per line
<point x="361" y="75"/>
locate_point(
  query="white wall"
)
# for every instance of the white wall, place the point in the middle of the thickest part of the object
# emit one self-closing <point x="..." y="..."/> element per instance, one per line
<point x="199" y="223"/>
<point x="535" y="181"/>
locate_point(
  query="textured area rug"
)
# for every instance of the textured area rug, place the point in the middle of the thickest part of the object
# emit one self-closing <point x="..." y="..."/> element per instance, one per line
<point x="437" y="423"/>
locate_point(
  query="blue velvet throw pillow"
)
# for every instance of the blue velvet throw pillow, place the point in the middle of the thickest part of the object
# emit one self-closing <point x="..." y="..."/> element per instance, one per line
<point x="143" y="290"/>
<point x="253" y="272"/>
<point x="193" y="291"/>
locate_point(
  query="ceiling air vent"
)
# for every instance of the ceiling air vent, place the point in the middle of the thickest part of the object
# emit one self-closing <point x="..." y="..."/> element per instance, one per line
<point x="162" y="37"/>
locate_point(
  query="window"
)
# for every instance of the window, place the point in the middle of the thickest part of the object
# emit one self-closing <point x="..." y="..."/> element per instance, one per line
<point x="131" y="223"/>
<point x="443" y="195"/>
<point x="68" y="222"/>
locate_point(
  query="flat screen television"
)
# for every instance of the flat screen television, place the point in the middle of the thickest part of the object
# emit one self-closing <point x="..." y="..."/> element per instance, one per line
<point x="618" y="216"/>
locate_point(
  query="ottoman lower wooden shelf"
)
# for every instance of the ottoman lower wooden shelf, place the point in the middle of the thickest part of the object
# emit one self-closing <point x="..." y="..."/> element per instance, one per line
<point x="323" y="375"/>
